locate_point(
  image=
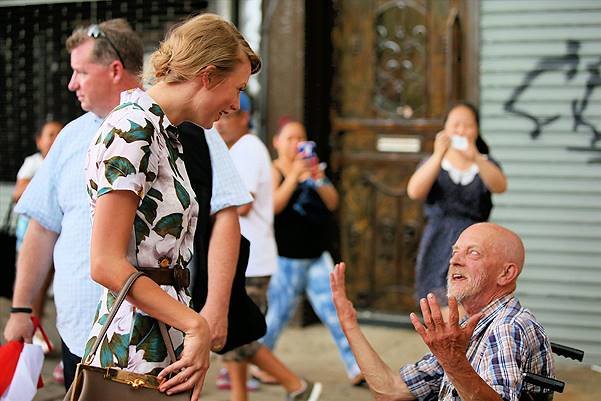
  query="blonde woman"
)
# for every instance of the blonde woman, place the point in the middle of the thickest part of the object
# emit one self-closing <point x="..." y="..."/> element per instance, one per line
<point x="143" y="207"/>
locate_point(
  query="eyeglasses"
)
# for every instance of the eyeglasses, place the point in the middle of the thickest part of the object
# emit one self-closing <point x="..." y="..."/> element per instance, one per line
<point x="95" y="32"/>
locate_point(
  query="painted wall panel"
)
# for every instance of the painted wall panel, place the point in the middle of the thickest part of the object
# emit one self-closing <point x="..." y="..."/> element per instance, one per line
<point x="553" y="185"/>
<point x="535" y="34"/>
<point x="539" y="18"/>
<point x="536" y="214"/>
<point x="549" y="80"/>
<point x="535" y="6"/>
<point x="529" y="50"/>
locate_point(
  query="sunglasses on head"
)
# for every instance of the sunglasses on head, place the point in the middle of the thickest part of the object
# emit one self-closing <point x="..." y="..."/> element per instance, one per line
<point x="95" y="32"/>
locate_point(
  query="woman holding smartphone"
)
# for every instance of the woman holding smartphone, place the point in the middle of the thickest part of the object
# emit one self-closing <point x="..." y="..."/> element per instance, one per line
<point x="456" y="183"/>
<point x="304" y="200"/>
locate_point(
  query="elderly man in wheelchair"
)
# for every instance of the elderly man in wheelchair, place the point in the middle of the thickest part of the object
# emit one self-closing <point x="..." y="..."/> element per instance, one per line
<point x="480" y="357"/>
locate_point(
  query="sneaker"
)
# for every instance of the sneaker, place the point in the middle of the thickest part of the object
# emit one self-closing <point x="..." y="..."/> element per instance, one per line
<point x="310" y="392"/>
<point x="253" y="384"/>
<point x="223" y="382"/>
<point x="57" y="374"/>
<point x="359" y="381"/>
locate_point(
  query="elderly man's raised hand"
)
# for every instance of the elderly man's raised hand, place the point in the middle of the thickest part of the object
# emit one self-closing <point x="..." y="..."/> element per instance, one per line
<point x="447" y="341"/>
<point x="344" y="307"/>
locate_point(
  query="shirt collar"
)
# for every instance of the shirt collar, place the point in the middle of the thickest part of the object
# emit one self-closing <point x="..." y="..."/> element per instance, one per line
<point x="95" y="116"/>
<point x="490" y="311"/>
<point x="460" y="177"/>
<point x="497" y="304"/>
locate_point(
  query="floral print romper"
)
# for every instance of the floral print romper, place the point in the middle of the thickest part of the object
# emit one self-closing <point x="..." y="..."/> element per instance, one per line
<point x="137" y="149"/>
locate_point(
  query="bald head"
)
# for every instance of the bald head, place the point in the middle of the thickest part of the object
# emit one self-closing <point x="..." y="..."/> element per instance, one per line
<point x="506" y="246"/>
<point x="485" y="264"/>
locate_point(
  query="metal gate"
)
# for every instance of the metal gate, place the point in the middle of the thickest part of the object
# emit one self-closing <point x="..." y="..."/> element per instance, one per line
<point x="541" y="113"/>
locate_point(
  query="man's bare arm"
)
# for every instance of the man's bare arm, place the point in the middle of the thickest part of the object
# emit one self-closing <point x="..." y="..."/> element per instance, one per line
<point x="224" y="247"/>
<point x="384" y="383"/>
<point x="33" y="265"/>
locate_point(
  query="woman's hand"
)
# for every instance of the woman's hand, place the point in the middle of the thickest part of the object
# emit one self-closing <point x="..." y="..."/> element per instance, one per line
<point x="319" y="171"/>
<point x="190" y="370"/>
<point x="442" y="143"/>
<point x="471" y="152"/>
<point x="301" y="168"/>
<point x="423" y="178"/>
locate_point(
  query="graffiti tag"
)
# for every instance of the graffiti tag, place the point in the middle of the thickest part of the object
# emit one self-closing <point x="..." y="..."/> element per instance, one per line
<point x="568" y="65"/>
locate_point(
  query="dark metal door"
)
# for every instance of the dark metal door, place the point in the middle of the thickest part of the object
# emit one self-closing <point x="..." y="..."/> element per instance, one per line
<point x="393" y="62"/>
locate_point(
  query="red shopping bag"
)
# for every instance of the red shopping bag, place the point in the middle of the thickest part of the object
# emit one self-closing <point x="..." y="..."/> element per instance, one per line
<point x="20" y="368"/>
<point x="9" y="357"/>
<point x="40" y="337"/>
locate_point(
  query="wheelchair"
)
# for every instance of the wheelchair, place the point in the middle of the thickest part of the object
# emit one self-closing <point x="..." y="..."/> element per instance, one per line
<point x="547" y="385"/>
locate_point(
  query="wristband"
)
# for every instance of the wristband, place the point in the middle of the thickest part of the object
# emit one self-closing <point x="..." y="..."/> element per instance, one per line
<point x="20" y="310"/>
<point x="321" y="182"/>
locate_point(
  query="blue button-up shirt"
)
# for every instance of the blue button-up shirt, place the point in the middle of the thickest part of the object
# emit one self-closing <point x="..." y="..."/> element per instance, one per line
<point x="506" y="342"/>
<point x="57" y="199"/>
<point x="228" y="187"/>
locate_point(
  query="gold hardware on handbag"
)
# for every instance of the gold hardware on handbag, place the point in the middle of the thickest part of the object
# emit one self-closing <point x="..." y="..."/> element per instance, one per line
<point x="111" y="384"/>
<point x="136" y="383"/>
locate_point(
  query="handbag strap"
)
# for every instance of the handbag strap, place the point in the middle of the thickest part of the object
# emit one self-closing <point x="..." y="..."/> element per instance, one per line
<point x="120" y="298"/>
<point x="167" y="340"/>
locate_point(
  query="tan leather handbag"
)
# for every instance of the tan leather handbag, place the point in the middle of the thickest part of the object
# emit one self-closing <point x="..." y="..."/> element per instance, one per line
<point x="113" y="384"/>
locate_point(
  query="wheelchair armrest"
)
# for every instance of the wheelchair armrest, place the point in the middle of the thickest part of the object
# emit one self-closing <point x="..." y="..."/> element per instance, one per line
<point x="525" y="396"/>
<point x="567" y="352"/>
<point x="543" y="382"/>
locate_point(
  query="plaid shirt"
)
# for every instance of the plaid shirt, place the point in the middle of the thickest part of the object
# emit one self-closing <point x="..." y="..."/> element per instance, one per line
<point x="506" y="342"/>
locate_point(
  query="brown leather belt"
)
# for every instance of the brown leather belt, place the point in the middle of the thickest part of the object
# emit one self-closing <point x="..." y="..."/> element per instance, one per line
<point x="179" y="277"/>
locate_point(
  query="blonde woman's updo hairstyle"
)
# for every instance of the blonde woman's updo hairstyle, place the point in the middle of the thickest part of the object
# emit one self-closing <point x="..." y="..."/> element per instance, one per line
<point x="198" y="42"/>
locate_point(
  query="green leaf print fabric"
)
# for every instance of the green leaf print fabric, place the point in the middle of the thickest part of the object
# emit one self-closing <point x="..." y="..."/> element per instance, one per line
<point x="136" y="149"/>
<point x="116" y="167"/>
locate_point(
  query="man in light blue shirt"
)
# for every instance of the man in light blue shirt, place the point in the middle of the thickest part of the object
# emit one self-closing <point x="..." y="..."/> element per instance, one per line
<point x="106" y="59"/>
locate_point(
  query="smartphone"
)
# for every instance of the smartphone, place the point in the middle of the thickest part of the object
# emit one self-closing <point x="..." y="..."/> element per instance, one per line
<point x="307" y="149"/>
<point x="459" y="142"/>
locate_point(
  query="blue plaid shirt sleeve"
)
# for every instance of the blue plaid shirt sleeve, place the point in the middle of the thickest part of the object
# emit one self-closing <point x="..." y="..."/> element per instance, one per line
<point x="40" y="199"/>
<point x="508" y="353"/>
<point x="423" y="378"/>
<point x="501" y="361"/>
<point x="228" y="188"/>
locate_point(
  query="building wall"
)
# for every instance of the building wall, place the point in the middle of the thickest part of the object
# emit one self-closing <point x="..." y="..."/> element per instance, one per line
<point x="540" y="101"/>
<point x="35" y="67"/>
<point x="283" y="62"/>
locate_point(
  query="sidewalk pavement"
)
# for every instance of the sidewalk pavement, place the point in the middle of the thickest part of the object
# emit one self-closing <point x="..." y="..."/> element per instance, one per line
<point x="311" y="353"/>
